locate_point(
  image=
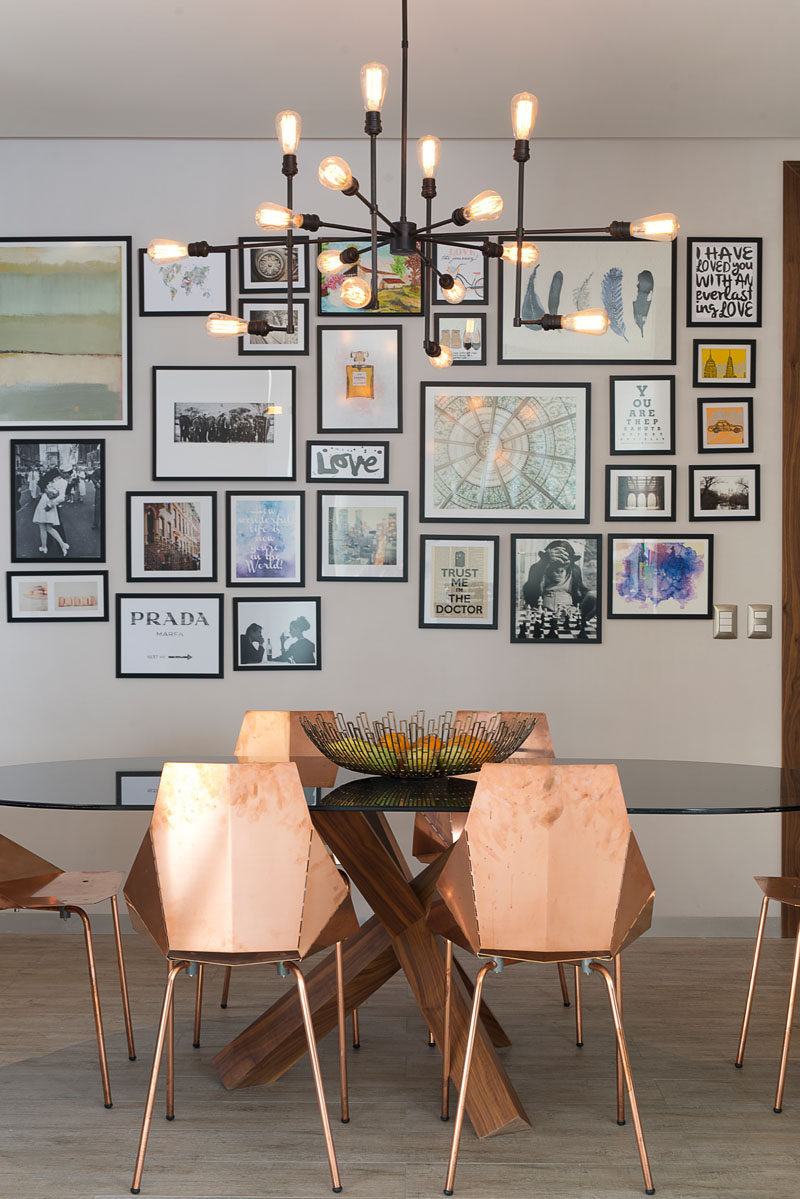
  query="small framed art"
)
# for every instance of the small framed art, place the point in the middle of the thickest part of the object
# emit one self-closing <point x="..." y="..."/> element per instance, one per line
<point x="266" y="538"/>
<point x="660" y="577"/>
<point x="555" y="584"/>
<point x="724" y="363"/>
<point x="172" y="536"/>
<point x="725" y="426"/>
<point x="400" y="279"/>
<point x="466" y="263"/>
<point x="359" y="378"/>
<point x="458" y="582"/>
<point x="58" y="501"/>
<point x="464" y="336"/>
<point x="137" y="789"/>
<point x="640" y="492"/>
<point x="347" y="461"/>
<point x="723" y="277"/>
<point x="278" y="341"/>
<point x="169" y="636"/>
<point x="724" y="493"/>
<point x="264" y="268"/>
<point x="191" y="287"/>
<point x="36" y="596"/>
<point x="363" y="536"/>
<point x="218" y="422"/>
<point x="642" y="413"/>
<point x="277" y="634"/>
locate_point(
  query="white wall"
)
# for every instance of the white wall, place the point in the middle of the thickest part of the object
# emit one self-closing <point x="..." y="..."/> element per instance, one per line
<point x="652" y="689"/>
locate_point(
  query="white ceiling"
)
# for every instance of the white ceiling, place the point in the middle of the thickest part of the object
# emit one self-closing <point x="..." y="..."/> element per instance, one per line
<point x="223" y="68"/>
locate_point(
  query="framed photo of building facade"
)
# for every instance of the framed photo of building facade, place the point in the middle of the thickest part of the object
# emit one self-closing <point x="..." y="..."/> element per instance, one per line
<point x="640" y="492"/>
<point x="363" y="536"/>
<point x="723" y="278"/>
<point x="266" y="538"/>
<point x="400" y="278"/>
<point x="642" y="412"/>
<point x="725" y="426"/>
<point x="277" y="634"/>
<point x="724" y="492"/>
<point x="65" y="333"/>
<point x="555" y="588"/>
<point x="347" y="461"/>
<point x="171" y="536"/>
<point x="191" y="287"/>
<point x="169" y="636"/>
<point x="464" y="336"/>
<point x="40" y="596"/>
<point x="458" y="582"/>
<point x="218" y="422"/>
<point x="466" y="263"/>
<point x="660" y="577"/>
<point x="359" y="378"/>
<point x="264" y="268"/>
<point x="510" y="452"/>
<point x="278" y="341"/>
<point x="58" y="501"/>
<point x="633" y="280"/>
<point x="724" y="363"/>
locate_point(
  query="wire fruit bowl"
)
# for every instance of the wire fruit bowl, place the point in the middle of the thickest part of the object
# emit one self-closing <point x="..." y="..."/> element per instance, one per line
<point x="420" y="747"/>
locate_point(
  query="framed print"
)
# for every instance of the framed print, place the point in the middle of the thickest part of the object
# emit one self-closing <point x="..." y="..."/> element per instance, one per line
<point x="399" y="283"/>
<point x="218" y="422"/>
<point x="359" y="378"/>
<point x="171" y="536"/>
<point x="724" y="493"/>
<point x="555" y="583"/>
<point x="79" y="595"/>
<point x="266" y="538"/>
<point x="264" y="268"/>
<point x="667" y="577"/>
<point x="465" y="336"/>
<point x="724" y="363"/>
<point x="511" y="452"/>
<point x="277" y="634"/>
<point x="363" y="536"/>
<point x="642" y="414"/>
<point x="191" y="287"/>
<point x="347" y="461"/>
<point x="640" y="492"/>
<point x="169" y="636"/>
<point x="65" y="333"/>
<point x="278" y="341"/>
<point x="725" y="426"/>
<point x="136" y="788"/>
<point x="467" y="263"/>
<point x="633" y="280"/>
<point x="723" y="281"/>
<point x="58" y="501"/>
<point x="458" y="582"/>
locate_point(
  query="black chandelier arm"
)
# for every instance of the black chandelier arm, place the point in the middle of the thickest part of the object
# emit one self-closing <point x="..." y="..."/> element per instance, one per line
<point x="427" y="276"/>
<point x="373" y="209"/>
<point x="404" y="113"/>
<point x="289" y="255"/>
<point x="359" y="196"/>
<point x="520" y="235"/>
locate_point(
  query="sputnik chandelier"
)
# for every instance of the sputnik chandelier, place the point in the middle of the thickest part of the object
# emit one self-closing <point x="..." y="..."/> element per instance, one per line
<point x="404" y="236"/>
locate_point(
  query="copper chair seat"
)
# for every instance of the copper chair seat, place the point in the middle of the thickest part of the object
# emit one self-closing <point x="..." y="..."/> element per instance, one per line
<point x="60" y="890"/>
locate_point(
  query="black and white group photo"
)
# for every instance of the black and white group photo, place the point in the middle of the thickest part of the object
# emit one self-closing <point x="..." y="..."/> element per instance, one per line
<point x="58" y="500"/>
<point x="253" y="423"/>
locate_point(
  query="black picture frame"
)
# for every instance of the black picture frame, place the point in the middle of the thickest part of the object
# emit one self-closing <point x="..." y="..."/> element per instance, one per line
<point x="272" y="301"/>
<point x="668" y="514"/>
<point x="480" y="317"/>
<point x="696" y="514"/>
<point x="58" y="576"/>
<point x="355" y="444"/>
<point x="552" y="637"/>
<point x="178" y="577"/>
<point x="700" y="380"/>
<point x="164" y="598"/>
<point x="707" y="614"/>
<point x="691" y="277"/>
<point x="230" y="538"/>
<point x="427" y="539"/>
<point x="437" y="259"/>
<point x="384" y="310"/>
<point x="99" y="502"/>
<point x="121" y="776"/>
<point x="220" y="303"/>
<point x="357" y="499"/>
<point x="254" y="602"/>
<point x="745" y="402"/>
<point x="638" y="380"/>
<point x="323" y="331"/>
<point x="278" y="246"/>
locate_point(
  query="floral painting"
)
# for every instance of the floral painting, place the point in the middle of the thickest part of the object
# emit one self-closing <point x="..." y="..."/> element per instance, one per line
<point x="399" y="283"/>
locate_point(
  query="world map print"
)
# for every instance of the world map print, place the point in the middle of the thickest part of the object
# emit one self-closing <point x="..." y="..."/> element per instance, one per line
<point x="191" y="279"/>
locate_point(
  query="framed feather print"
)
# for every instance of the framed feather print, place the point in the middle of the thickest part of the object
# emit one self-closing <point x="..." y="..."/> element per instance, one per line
<point x="633" y="280"/>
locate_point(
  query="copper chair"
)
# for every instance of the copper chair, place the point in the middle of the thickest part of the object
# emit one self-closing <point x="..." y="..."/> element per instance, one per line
<point x="782" y="890"/>
<point x="231" y="872"/>
<point x="546" y="870"/>
<point x="30" y="882"/>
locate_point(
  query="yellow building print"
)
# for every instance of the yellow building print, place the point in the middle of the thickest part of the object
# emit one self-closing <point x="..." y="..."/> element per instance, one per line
<point x="725" y="362"/>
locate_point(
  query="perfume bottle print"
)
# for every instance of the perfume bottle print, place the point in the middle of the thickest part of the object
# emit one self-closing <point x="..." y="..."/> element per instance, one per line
<point x="360" y="377"/>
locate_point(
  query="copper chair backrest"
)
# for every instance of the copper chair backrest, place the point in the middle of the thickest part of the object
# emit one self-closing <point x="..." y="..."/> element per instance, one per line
<point x="17" y="862"/>
<point x="280" y="737"/>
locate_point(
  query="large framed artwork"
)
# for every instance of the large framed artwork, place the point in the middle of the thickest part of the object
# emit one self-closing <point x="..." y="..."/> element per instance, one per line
<point x="458" y="582"/>
<point x="266" y="538"/>
<point x="724" y="492"/>
<point x="172" y="537"/>
<point x="347" y="461"/>
<point x="40" y="596"/>
<point x="58" y="501"/>
<point x="359" y="378"/>
<point x="65" y="333"/>
<point x="511" y="452"/>
<point x="399" y="283"/>
<point x="642" y="414"/>
<point x="723" y="363"/>
<point x="465" y="262"/>
<point x="265" y="268"/>
<point x="277" y="633"/>
<point x="641" y="492"/>
<point x="191" y="287"/>
<point x="277" y="341"/>
<point x="667" y="577"/>
<point x="633" y="280"/>
<point x="362" y="536"/>
<point x="555" y="585"/>
<point x="725" y="426"/>
<point x="218" y="422"/>
<point x="169" y="636"/>
<point x="723" y="281"/>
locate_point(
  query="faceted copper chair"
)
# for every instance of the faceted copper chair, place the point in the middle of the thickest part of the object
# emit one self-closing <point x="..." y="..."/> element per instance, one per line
<point x="782" y="890"/>
<point x="546" y="870"/>
<point x="231" y="872"/>
<point x="30" y="882"/>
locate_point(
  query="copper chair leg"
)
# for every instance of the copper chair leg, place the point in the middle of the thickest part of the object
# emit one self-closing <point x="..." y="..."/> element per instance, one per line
<point x="226" y="986"/>
<point x="431" y="1040"/>
<point x="788" y="1032"/>
<point x="448" y="991"/>
<point x="562" y="978"/>
<point x="151" y="1090"/>
<point x="314" y="1057"/>
<point x="170" y="1106"/>
<point x="98" y="1019"/>
<point x="626" y="1069"/>
<point x="342" y="1023"/>
<point x="462" y="1095"/>
<point x="748" y="1007"/>
<point x="123" y="980"/>
<point x="578" y="1009"/>
<point x="620" y="1073"/>
<point x="356" y="1038"/>
<point x="198" y="1006"/>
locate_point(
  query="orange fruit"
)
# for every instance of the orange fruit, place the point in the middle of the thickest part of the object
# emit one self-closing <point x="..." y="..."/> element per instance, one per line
<point x="431" y="743"/>
<point x="398" y="742"/>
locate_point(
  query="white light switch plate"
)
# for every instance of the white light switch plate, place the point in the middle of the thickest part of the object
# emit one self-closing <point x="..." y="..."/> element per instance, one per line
<point x="759" y="620"/>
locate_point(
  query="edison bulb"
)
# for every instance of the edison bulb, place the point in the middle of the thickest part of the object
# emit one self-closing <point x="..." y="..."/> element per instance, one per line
<point x="443" y="359"/>
<point x="663" y="227"/>
<point x="355" y="292"/>
<point x="456" y="293"/>
<point x="161" y="249"/>
<point x="486" y="206"/>
<point x="334" y="173"/>
<point x="524" y="108"/>
<point x="593" y="321"/>
<point x="329" y="261"/>
<point x="287" y="127"/>
<point x="429" y="150"/>
<point x="221" y="324"/>
<point x="275" y="216"/>
<point x="374" y="80"/>
<point x="529" y="253"/>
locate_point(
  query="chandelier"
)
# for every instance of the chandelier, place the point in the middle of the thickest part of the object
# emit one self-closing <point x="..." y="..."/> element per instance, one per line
<point x="403" y="236"/>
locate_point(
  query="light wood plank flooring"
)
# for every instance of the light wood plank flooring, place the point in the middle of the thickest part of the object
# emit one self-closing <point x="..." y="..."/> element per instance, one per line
<point x="710" y="1128"/>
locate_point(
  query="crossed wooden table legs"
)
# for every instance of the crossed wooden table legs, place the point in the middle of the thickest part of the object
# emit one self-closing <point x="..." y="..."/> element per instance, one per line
<point x="395" y="937"/>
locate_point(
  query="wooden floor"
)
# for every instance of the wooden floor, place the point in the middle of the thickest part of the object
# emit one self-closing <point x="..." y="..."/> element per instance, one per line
<point x="710" y="1128"/>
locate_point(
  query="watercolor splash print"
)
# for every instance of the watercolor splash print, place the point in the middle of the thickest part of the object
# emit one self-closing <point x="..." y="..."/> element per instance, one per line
<point x="650" y="574"/>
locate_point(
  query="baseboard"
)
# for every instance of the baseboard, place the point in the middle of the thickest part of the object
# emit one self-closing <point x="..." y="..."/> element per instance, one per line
<point x="713" y="926"/>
